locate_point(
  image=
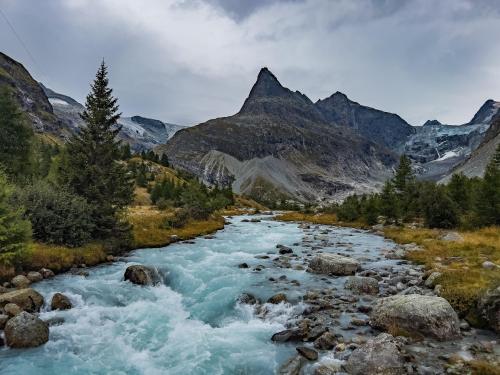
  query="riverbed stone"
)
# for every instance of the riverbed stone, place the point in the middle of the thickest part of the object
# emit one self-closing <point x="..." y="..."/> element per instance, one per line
<point x="3" y="320"/>
<point x="292" y="366"/>
<point x="333" y="264"/>
<point x="27" y="299"/>
<point x="380" y="355"/>
<point x="142" y="275"/>
<point x="34" y="276"/>
<point x="247" y="299"/>
<point x="60" y="302"/>
<point x="362" y="285"/>
<point x="415" y="314"/>
<point x="20" y="281"/>
<point x="431" y="280"/>
<point x="489" y="309"/>
<point x="46" y="273"/>
<point x="11" y="309"/>
<point x="26" y="331"/>
<point x="277" y="298"/>
<point x="326" y="341"/>
<point x="307" y="353"/>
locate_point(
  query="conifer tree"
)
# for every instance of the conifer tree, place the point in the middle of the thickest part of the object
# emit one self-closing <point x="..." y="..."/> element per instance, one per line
<point x="404" y="175"/>
<point x="488" y="199"/>
<point x="14" y="231"/>
<point x="95" y="172"/>
<point x="15" y="138"/>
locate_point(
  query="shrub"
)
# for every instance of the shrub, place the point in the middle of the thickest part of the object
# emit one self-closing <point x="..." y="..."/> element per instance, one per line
<point x="56" y="215"/>
<point x="179" y="220"/>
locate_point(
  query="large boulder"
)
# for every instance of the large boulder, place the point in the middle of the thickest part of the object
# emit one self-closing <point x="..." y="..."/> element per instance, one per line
<point x="362" y="285"/>
<point x="27" y="299"/>
<point x="11" y="309"/>
<point x="46" y="273"/>
<point x="380" y="355"/>
<point x="60" y="302"/>
<point x="34" y="276"/>
<point x="333" y="264"/>
<point x="142" y="275"/>
<point x="26" y="331"/>
<point x="489" y="308"/>
<point x="20" y="281"/>
<point x="418" y="315"/>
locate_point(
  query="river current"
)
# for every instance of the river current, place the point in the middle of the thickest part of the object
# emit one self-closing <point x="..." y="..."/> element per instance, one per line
<point x="192" y="323"/>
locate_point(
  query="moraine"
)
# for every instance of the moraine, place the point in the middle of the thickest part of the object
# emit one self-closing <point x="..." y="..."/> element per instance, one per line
<point x="193" y="324"/>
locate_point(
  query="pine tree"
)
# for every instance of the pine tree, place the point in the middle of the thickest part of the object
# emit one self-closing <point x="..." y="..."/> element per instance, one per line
<point x="404" y="175"/>
<point x="14" y="231"/>
<point x="95" y="172"/>
<point x="488" y="199"/>
<point x="15" y="138"/>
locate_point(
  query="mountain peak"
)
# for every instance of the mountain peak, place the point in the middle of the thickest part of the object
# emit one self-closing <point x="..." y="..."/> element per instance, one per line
<point x="487" y="111"/>
<point x="432" y="122"/>
<point x="267" y="85"/>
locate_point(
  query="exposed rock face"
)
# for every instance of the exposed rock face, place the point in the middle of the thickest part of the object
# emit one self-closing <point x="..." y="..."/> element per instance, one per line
<point x="142" y="275"/>
<point x="489" y="308"/>
<point x="140" y="132"/>
<point x="60" y="302"/>
<point x="428" y="316"/>
<point x="362" y="285"/>
<point x="333" y="264"/>
<point x="28" y="94"/>
<point x="26" y="331"/>
<point x="378" y="356"/>
<point x="27" y="299"/>
<point x="384" y="128"/>
<point x="280" y="145"/>
<point x="20" y="281"/>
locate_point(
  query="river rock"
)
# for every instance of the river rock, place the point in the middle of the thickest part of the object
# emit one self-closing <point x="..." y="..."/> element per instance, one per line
<point x="362" y="285"/>
<point x="282" y="249"/>
<point x="452" y="236"/>
<point x="11" y="309"/>
<point x="380" y="355"/>
<point x="142" y="275"/>
<point x="431" y="280"/>
<point x="46" y="273"/>
<point x="292" y="366"/>
<point x="307" y="353"/>
<point x="424" y="315"/>
<point x="26" y="331"/>
<point x="27" y="299"/>
<point x="3" y="320"/>
<point x="489" y="308"/>
<point x="247" y="299"/>
<point x="287" y="335"/>
<point x="333" y="264"/>
<point x="20" y="281"/>
<point x="60" y="302"/>
<point x="325" y="342"/>
<point x="487" y="265"/>
<point x="34" y="276"/>
<point x="277" y="298"/>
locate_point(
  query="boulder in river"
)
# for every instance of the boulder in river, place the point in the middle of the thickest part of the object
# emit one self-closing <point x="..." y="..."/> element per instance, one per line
<point x="277" y="298"/>
<point x="26" y="331"/>
<point x="307" y="353"/>
<point x="292" y="366"/>
<point x="20" y="281"/>
<point x="489" y="309"/>
<point x="333" y="264"/>
<point x="11" y="309"/>
<point x="415" y="314"/>
<point x="34" y="276"/>
<point x="380" y="355"/>
<point x="46" y="273"/>
<point x="142" y="275"/>
<point x="362" y="285"/>
<point x="27" y="299"/>
<point x="3" y="320"/>
<point x="326" y="341"/>
<point x="60" y="302"/>
<point x="247" y="299"/>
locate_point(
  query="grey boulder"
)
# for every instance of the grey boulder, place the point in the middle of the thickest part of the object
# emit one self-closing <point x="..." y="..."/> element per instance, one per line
<point x="333" y="264"/>
<point x="26" y="331"/>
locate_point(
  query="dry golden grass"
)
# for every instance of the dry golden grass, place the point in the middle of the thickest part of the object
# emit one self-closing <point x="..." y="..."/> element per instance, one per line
<point x="320" y="218"/>
<point x="60" y="258"/>
<point x="463" y="278"/>
<point x="481" y="367"/>
<point x="149" y="231"/>
<point x="141" y="197"/>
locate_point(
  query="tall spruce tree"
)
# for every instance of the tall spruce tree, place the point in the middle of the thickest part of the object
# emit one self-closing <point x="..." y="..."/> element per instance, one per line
<point x="16" y="138"/>
<point x="488" y="199"/>
<point x="95" y="172"/>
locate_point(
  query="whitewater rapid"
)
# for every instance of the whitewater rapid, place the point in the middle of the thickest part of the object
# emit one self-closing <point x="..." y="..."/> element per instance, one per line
<point x="192" y="324"/>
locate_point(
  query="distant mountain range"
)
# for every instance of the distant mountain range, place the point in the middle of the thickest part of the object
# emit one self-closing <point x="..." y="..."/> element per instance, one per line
<point x="281" y="145"/>
<point x="59" y="115"/>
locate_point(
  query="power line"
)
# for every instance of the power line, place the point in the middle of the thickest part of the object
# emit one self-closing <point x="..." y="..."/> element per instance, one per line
<point x="19" y="39"/>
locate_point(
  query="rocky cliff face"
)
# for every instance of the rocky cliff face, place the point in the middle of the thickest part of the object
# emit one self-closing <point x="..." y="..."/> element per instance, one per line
<point x="140" y="132"/>
<point x="436" y="149"/>
<point x="280" y="145"/>
<point x="29" y="95"/>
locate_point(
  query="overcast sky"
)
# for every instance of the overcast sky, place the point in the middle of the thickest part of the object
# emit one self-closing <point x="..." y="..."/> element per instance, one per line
<point x="188" y="61"/>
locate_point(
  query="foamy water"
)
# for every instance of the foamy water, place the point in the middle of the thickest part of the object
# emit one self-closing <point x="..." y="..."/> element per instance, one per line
<point x="190" y="325"/>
